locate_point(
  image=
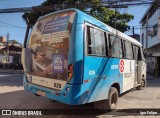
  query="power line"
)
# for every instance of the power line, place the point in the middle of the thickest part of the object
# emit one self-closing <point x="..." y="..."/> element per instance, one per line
<point x="11" y="25"/>
<point x="41" y="8"/>
<point x="57" y="6"/>
<point x="15" y="10"/>
<point x="11" y="35"/>
<point x="23" y="3"/>
<point x="1" y="26"/>
<point x="144" y="28"/>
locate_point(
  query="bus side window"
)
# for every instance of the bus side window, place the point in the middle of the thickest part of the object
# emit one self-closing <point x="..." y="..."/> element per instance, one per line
<point x="123" y="48"/>
<point x="128" y="50"/>
<point x="139" y="54"/>
<point x="110" y="41"/>
<point x="96" y="42"/>
<point x="89" y="40"/>
<point x="106" y="43"/>
<point x="115" y="47"/>
<point x="121" y="51"/>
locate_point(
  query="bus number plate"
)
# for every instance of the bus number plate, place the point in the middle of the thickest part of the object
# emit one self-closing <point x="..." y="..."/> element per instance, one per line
<point x="41" y="93"/>
<point x="57" y="85"/>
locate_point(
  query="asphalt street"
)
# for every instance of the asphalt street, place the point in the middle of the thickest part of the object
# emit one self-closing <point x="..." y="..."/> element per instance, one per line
<point x="13" y="96"/>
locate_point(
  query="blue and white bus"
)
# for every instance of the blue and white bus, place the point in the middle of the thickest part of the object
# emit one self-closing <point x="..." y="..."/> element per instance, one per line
<point x="74" y="58"/>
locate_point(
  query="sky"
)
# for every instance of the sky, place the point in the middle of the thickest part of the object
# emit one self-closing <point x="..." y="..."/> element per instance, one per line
<point x="13" y="23"/>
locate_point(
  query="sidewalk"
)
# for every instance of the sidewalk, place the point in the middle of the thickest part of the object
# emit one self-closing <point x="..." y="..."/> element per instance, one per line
<point x="11" y="71"/>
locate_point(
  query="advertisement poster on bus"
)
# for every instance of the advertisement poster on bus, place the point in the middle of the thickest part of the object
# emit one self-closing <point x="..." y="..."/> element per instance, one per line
<point x="49" y="42"/>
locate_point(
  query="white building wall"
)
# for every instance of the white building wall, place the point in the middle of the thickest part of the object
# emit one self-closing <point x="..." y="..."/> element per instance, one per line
<point x="143" y="31"/>
<point x="151" y="22"/>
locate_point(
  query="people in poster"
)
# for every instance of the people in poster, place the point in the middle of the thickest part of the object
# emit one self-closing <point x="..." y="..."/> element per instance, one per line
<point x="49" y="42"/>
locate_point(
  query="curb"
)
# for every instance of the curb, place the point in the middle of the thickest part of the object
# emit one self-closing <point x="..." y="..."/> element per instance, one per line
<point x="11" y="72"/>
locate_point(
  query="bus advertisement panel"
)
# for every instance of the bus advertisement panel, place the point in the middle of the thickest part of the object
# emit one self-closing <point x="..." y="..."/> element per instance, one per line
<point x="49" y="42"/>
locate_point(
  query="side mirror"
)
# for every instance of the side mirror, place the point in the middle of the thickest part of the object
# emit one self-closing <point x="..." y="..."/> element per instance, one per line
<point x="145" y="55"/>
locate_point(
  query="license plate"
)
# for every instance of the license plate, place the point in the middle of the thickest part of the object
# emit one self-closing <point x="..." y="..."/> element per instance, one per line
<point x="41" y="93"/>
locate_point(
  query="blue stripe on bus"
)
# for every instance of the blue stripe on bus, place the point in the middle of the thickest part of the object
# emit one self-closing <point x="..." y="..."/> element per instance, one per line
<point x="95" y="89"/>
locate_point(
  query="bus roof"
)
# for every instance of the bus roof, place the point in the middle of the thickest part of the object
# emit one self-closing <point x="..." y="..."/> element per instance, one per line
<point x="105" y="26"/>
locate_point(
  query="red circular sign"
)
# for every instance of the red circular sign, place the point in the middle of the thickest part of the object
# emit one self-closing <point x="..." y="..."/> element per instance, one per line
<point x="121" y="66"/>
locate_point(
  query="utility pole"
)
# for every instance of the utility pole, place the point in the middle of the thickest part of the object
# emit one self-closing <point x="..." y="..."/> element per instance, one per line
<point x="8" y="43"/>
<point x="6" y="54"/>
<point x="133" y="33"/>
<point x="27" y="32"/>
<point x="115" y="21"/>
<point x="7" y="60"/>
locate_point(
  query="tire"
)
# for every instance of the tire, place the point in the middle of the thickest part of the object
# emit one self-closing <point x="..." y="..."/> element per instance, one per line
<point x="112" y="99"/>
<point x="36" y="95"/>
<point x="108" y="104"/>
<point x="143" y="85"/>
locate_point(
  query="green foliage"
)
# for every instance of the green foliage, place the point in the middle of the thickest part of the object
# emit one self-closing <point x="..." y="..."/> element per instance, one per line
<point x="99" y="11"/>
<point x="14" y="41"/>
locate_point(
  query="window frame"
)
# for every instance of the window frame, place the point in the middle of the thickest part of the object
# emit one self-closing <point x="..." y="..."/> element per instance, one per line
<point x="87" y="42"/>
<point x="125" y="50"/>
<point x="107" y="42"/>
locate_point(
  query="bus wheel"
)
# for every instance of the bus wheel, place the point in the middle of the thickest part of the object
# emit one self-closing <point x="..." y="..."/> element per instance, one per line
<point x="112" y="99"/>
<point x="108" y="104"/>
<point x="143" y="85"/>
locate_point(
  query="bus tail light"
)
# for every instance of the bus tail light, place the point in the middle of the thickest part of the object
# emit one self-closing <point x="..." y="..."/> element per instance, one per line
<point x="70" y="72"/>
<point x="64" y="94"/>
<point x="85" y="81"/>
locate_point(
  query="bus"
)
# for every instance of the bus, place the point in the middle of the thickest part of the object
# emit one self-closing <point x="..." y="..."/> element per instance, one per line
<point x="74" y="58"/>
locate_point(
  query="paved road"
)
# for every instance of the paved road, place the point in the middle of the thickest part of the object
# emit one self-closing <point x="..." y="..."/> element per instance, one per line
<point x="12" y="96"/>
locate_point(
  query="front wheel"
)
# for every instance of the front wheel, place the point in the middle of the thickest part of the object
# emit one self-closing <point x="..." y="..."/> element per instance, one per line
<point x="143" y="85"/>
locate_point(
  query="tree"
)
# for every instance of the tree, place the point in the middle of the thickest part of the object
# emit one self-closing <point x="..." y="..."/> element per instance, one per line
<point x="98" y="10"/>
<point x="13" y="41"/>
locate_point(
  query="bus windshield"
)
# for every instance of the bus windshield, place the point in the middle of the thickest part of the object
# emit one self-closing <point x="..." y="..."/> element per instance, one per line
<point x="49" y="42"/>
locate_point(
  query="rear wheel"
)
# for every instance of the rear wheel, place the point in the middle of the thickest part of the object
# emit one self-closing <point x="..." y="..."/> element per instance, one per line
<point x="112" y="99"/>
<point x="110" y="103"/>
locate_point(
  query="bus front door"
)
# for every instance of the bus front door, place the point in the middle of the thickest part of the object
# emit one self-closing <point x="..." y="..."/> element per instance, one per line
<point x="135" y="49"/>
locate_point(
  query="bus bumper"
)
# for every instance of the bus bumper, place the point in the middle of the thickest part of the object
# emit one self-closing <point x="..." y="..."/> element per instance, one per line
<point x="70" y="94"/>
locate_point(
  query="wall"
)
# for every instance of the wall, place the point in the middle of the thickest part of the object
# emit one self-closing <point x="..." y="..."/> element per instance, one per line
<point x="151" y="22"/>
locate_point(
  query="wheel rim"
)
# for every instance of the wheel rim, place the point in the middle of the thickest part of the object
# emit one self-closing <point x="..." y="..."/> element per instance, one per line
<point x="113" y="100"/>
<point x="142" y="83"/>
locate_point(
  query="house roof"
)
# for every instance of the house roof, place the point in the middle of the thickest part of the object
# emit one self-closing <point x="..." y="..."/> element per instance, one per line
<point x="12" y="48"/>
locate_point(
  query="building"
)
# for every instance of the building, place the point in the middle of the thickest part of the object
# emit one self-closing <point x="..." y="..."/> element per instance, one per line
<point x="10" y="53"/>
<point x="150" y="37"/>
<point x="3" y="39"/>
